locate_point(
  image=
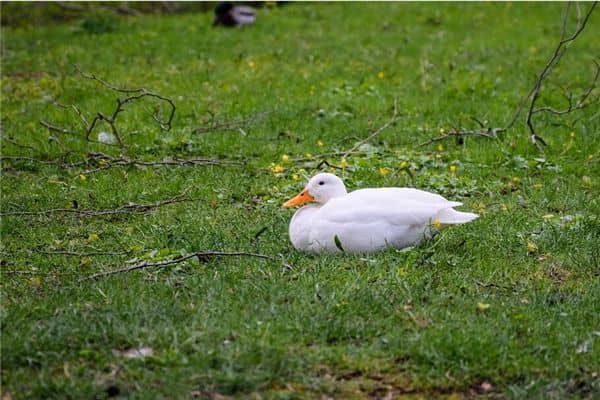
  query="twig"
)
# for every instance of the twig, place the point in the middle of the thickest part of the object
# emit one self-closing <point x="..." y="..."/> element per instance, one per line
<point x="54" y="128"/>
<point x="393" y="119"/>
<point x="201" y="255"/>
<point x="560" y="49"/>
<point x="17" y="144"/>
<point x="533" y="95"/>
<point x="231" y="125"/>
<point x="81" y="254"/>
<point x="129" y="208"/>
<point x="110" y="162"/>
<point x="133" y="95"/>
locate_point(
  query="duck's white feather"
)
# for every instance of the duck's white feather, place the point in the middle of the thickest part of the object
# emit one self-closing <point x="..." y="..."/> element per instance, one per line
<point x="368" y="220"/>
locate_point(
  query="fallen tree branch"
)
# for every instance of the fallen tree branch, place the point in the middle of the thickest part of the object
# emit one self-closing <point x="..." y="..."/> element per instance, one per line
<point x="533" y="95"/>
<point x="232" y="125"/>
<point x="107" y="162"/>
<point x="129" y="208"/>
<point x="133" y="95"/>
<point x="202" y="256"/>
<point x="560" y="49"/>
<point x="81" y="254"/>
<point x="393" y="119"/>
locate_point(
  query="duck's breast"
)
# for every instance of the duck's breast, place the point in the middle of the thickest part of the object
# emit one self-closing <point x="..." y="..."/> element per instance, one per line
<point x="301" y="225"/>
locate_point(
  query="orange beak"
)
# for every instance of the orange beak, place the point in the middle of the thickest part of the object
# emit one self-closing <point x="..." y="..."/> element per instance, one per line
<point x="302" y="198"/>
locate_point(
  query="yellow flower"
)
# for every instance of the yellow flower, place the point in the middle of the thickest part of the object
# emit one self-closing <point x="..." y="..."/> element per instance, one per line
<point x="504" y="207"/>
<point x="531" y="247"/>
<point x="276" y="168"/>
<point x="572" y="134"/>
<point x="436" y="224"/>
<point x="285" y="158"/>
<point x="85" y="261"/>
<point x="442" y="131"/>
<point x="383" y="171"/>
<point x="548" y="217"/>
<point x="532" y="49"/>
<point x="320" y="143"/>
<point x="251" y="64"/>
<point x="36" y="282"/>
<point x="516" y="180"/>
<point x="440" y="147"/>
<point x="403" y="164"/>
<point x="587" y="181"/>
<point x="82" y="178"/>
<point x="296" y="177"/>
<point x="93" y="237"/>
<point x="537" y="186"/>
<point x="381" y="75"/>
<point x="453" y="169"/>
<point x="344" y="163"/>
<point x="309" y="156"/>
<point x="481" y="307"/>
<point x="103" y="162"/>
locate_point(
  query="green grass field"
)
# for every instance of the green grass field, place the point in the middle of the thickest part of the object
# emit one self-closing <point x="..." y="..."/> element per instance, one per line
<point x="504" y="307"/>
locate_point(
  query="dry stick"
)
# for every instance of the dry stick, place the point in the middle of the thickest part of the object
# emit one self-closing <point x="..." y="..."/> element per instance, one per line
<point x="556" y="56"/>
<point x="533" y="94"/>
<point x="231" y="125"/>
<point x="375" y="133"/>
<point x="134" y="94"/>
<point x="81" y="254"/>
<point x="201" y="255"/>
<point x="132" y="208"/>
<point x="125" y="161"/>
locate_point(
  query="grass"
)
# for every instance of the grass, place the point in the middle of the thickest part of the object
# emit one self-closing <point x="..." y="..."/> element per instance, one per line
<point x="505" y="307"/>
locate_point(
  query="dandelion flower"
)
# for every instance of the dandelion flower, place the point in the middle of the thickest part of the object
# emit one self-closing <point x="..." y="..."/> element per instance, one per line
<point x="481" y="307"/>
<point x="548" y="217"/>
<point x="93" y="237"/>
<point x="296" y="177"/>
<point x="516" y="180"/>
<point x="440" y="147"/>
<point x="82" y="178"/>
<point x="403" y="164"/>
<point x="320" y="143"/>
<point x="531" y="247"/>
<point x="381" y="75"/>
<point x="442" y="131"/>
<point x="587" y="181"/>
<point x="276" y="168"/>
<point x="309" y="156"/>
<point x="344" y="163"/>
<point x="436" y="224"/>
<point x="453" y="169"/>
<point x="383" y="171"/>
<point x="285" y="158"/>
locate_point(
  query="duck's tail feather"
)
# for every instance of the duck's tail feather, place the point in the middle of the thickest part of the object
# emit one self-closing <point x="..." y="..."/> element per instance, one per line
<point x="449" y="216"/>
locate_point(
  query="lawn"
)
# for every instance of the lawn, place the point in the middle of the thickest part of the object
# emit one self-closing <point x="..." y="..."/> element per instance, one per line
<point x="504" y="307"/>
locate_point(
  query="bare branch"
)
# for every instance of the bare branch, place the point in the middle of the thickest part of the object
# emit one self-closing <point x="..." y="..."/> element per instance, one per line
<point x="231" y="125"/>
<point x="129" y="208"/>
<point x="133" y="95"/>
<point x="81" y="254"/>
<point x="54" y="128"/>
<point x="202" y="256"/>
<point x="459" y="134"/>
<point x="563" y="44"/>
<point x="393" y="119"/>
<point x="533" y="95"/>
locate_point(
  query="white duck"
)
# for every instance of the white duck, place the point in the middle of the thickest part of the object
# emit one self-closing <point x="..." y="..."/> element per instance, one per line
<point x="366" y="220"/>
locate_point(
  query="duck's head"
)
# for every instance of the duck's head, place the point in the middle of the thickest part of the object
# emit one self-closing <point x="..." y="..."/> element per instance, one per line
<point x="320" y="188"/>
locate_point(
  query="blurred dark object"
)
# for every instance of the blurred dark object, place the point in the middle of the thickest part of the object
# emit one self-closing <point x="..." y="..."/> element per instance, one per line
<point x="31" y="14"/>
<point x="228" y="14"/>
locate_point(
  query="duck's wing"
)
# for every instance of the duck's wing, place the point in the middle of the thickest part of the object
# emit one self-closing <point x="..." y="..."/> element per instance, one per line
<point x="396" y="206"/>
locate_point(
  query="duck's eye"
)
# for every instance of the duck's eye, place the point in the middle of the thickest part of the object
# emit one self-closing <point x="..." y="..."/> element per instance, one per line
<point x="321" y="183"/>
